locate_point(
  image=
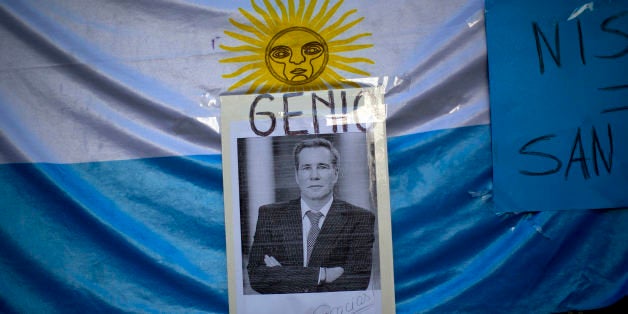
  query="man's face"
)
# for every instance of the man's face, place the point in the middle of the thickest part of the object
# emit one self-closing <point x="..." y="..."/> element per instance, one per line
<point x="316" y="175"/>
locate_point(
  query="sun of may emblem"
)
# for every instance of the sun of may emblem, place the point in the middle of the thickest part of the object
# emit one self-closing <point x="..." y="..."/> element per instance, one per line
<point x="295" y="47"/>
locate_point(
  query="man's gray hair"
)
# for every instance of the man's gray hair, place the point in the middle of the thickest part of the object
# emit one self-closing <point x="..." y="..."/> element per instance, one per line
<point x="316" y="142"/>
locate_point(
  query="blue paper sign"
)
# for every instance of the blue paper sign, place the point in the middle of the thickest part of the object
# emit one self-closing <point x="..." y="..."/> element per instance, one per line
<point x="558" y="78"/>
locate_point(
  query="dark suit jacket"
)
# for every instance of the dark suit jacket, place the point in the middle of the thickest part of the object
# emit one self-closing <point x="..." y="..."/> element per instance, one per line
<point x="346" y="240"/>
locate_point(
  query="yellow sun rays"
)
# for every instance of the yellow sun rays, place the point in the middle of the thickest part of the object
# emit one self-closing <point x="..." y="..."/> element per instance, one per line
<point x="258" y="31"/>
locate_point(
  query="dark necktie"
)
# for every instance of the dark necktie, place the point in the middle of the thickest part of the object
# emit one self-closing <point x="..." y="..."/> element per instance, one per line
<point x="314" y="217"/>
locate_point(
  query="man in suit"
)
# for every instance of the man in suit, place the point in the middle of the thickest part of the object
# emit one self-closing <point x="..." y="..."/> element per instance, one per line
<point x="316" y="243"/>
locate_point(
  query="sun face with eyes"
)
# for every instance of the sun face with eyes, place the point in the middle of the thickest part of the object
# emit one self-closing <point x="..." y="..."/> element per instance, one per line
<point x="296" y="55"/>
<point x="294" y="47"/>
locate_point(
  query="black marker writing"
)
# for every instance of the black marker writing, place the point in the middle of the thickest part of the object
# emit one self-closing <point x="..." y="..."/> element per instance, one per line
<point x="601" y="154"/>
<point x="524" y="151"/>
<point x="606" y="28"/>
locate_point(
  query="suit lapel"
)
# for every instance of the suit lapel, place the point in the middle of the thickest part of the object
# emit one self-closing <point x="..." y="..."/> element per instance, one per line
<point x="293" y="238"/>
<point x="332" y="227"/>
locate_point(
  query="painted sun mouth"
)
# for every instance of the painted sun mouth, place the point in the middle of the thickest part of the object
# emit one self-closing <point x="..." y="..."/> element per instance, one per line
<point x="298" y="71"/>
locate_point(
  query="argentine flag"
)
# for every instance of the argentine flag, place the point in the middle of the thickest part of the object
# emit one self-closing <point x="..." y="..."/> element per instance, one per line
<point x="111" y="196"/>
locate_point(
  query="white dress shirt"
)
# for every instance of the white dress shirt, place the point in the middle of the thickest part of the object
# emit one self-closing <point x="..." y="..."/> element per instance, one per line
<point x="307" y="224"/>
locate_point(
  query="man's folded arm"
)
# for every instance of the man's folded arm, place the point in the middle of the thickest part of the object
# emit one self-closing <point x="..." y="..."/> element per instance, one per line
<point x="357" y="269"/>
<point x="283" y="279"/>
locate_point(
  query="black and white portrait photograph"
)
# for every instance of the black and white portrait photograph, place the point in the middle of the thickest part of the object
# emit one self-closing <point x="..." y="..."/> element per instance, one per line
<point x="307" y="205"/>
<point x="308" y="216"/>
